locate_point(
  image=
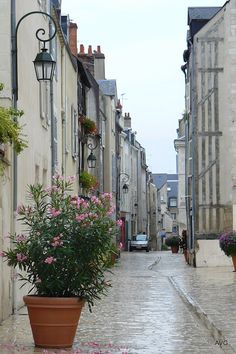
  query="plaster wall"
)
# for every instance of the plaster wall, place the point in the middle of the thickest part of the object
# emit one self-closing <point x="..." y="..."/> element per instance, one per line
<point x="5" y="182"/>
<point x="109" y="148"/>
<point x="181" y="217"/>
<point x="209" y="254"/>
<point x="69" y="96"/>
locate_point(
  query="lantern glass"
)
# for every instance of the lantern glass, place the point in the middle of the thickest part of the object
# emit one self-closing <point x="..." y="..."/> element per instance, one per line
<point x="44" y="66"/>
<point x="125" y="188"/>
<point x="91" y="160"/>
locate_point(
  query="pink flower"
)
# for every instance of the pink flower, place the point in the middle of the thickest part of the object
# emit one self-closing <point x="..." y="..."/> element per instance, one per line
<point x="54" y="212"/>
<point x="55" y="189"/>
<point x="58" y="177"/>
<point x="74" y="200"/>
<point x="71" y="179"/>
<point x="95" y="200"/>
<point x="2" y="253"/>
<point x="21" y="257"/>
<point x="81" y="217"/>
<point x="85" y="204"/>
<point x="50" y="260"/>
<point x="119" y="222"/>
<point x="111" y="210"/>
<point x="57" y="241"/>
<point x="107" y="196"/>
<point x="20" y="209"/>
<point x="21" y="238"/>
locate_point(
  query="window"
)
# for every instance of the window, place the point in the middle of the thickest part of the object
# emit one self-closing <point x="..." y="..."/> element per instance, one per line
<point x="44" y="178"/>
<point x="36" y="179"/>
<point x="44" y="98"/>
<point x="55" y="141"/>
<point x="172" y="202"/>
<point x="173" y="215"/>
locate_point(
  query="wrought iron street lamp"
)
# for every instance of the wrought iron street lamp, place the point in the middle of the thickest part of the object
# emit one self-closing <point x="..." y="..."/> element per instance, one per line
<point x="43" y="63"/>
<point x="44" y="66"/>
<point x="92" y="160"/>
<point x="125" y="179"/>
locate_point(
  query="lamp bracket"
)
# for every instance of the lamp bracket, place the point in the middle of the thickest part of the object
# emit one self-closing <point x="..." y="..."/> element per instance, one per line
<point x="14" y="44"/>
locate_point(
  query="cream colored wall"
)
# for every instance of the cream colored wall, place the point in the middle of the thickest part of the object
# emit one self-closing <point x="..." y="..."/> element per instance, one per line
<point x="109" y="150"/>
<point x="34" y="164"/>
<point x="181" y="218"/>
<point x="125" y="167"/>
<point x="152" y="201"/>
<point x="69" y="100"/>
<point x="209" y="254"/>
<point x="5" y="183"/>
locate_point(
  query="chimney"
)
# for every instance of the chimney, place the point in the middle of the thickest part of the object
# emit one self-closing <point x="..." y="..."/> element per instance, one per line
<point x="73" y="38"/>
<point x="127" y="121"/>
<point x="99" y="64"/>
<point x="81" y="50"/>
<point x="90" y="50"/>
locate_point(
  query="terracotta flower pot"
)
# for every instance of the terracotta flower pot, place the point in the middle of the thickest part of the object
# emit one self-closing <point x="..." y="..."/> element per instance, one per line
<point x="175" y="249"/>
<point x="234" y="262"/>
<point x="53" y="320"/>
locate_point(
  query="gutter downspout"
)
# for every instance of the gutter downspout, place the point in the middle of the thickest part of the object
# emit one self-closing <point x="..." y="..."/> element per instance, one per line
<point x="63" y="114"/>
<point x="53" y="155"/>
<point x="14" y="101"/>
<point x="193" y="92"/>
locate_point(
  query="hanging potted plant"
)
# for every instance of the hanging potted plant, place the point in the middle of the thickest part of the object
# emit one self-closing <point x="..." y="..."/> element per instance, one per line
<point x="227" y="243"/>
<point x="10" y="131"/>
<point x="87" y="180"/>
<point x="63" y="256"/>
<point x="89" y="126"/>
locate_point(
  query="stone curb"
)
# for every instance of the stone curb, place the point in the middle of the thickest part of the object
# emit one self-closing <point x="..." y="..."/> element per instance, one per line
<point x="215" y="332"/>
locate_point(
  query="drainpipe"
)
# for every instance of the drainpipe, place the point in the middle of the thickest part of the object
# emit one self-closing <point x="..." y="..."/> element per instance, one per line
<point x="53" y="154"/>
<point x="14" y="174"/>
<point x="63" y="117"/>
<point x="194" y="141"/>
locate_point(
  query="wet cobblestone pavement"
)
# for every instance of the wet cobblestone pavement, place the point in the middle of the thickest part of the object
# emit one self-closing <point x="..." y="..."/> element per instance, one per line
<point x="157" y="305"/>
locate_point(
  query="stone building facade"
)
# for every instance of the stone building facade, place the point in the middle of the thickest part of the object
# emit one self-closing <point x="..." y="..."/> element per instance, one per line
<point x="210" y="130"/>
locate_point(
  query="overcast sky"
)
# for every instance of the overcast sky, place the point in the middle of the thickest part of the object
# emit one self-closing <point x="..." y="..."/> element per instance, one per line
<point x="143" y="42"/>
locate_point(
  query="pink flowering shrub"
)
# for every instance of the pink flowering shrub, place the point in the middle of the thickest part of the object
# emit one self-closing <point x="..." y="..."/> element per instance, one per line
<point x="67" y="240"/>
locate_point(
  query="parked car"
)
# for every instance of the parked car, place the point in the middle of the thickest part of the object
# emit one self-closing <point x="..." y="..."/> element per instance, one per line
<point x="139" y="242"/>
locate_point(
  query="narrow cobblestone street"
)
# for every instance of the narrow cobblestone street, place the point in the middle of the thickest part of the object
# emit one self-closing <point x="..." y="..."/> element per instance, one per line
<point x="157" y="304"/>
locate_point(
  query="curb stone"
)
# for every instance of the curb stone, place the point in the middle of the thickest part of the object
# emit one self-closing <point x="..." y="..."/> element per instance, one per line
<point x="215" y="332"/>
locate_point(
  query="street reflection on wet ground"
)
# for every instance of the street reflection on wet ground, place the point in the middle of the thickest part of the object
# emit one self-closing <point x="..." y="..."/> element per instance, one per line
<point x="142" y="313"/>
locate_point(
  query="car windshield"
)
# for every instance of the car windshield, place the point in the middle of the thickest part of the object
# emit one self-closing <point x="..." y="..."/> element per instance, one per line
<point x="141" y="237"/>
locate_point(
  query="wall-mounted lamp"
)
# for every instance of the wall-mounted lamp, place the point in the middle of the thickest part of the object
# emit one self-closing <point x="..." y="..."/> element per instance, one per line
<point x="125" y="188"/>
<point x="92" y="160"/>
<point x="44" y="67"/>
<point x="124" y="179"/>
<point x="43" y="63"/>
